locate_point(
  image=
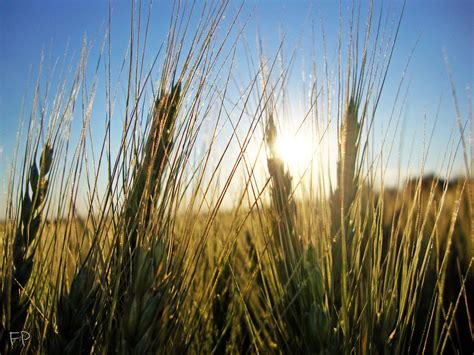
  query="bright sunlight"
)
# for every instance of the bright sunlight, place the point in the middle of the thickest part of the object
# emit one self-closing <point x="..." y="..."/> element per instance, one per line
<point x="295" y="150"/>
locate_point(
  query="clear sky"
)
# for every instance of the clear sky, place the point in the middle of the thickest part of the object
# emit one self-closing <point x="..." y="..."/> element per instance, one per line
<point x="29" y="26"/>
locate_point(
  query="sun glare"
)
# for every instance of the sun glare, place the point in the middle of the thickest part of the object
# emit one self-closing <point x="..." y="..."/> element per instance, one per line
<point x="294" y="150"/>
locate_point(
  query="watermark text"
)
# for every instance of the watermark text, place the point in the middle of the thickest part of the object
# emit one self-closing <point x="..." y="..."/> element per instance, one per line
<point x="22" y="336"/>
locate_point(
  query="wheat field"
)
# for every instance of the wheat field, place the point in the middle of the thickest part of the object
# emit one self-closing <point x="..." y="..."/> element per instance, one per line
<point x="186" y="224"/>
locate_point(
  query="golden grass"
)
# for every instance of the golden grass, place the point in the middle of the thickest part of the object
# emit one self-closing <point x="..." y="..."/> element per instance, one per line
<point x="156" y="264"/>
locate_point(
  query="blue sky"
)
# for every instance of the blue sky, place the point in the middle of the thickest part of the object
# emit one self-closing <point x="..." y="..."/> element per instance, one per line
<point x="28" y="26"/>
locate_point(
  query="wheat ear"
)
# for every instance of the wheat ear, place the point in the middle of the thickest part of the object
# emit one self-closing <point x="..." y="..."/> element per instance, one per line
<point x="16" y="302"/>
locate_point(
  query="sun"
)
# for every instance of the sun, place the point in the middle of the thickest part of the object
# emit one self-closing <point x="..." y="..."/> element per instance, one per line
<point x="295" y="150"/>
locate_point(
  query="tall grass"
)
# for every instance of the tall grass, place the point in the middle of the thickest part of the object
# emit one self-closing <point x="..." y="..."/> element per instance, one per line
<point x="156" y="263"/>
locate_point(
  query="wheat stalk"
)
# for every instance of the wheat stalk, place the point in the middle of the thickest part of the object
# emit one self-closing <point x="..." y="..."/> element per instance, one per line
<point x="15" y="300"/>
